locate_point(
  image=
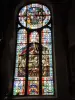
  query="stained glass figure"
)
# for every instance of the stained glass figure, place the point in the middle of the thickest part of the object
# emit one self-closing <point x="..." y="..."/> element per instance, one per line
<point x="21" y="55"/>
<point x="19" y="84"/>
<point x="33" y="87"/>
<point x="33" y="48"/>
<point x="45" y="71"/>
<point x="20" y="72"/>
<point x="34" y="59"/>
<point x="34" y="37"/>
<point x="34" y="72"/>
<point x="47" y="88"/>
<point x="46" y="48"/>
<point x="46" y="60"/>
<point x="19" y="87"/>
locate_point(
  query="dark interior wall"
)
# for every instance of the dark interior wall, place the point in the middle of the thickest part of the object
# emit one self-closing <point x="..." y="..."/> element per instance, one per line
<point x="71" y="24"/>
<point x="7" y="59"/>
<point x="61" y="40"/>
<point x="7" y="46"/>
<point x="71" y="36"/>
<point x="60" y="14"/>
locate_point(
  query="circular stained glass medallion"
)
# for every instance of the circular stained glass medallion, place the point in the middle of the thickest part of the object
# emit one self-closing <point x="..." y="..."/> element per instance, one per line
<point x="34" y="16"/>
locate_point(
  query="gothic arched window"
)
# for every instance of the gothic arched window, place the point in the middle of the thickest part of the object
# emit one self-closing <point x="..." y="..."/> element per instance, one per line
<point x="34" y="68"/>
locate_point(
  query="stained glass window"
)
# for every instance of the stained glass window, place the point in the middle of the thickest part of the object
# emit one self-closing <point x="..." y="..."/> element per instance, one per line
<point x="34" y="67"/>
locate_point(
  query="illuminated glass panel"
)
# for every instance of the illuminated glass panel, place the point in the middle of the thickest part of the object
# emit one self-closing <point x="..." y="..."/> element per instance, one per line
<point x="34" y="15"/>
<point x="47" y="87"/>
<point x="47" y="66"/>
<point x="33" y="66"/>
<point x="33" y="72"/>
<point x="46" y="60"/>
<point x="46" y="36"/>
<point x="19" y="26"/>
<point x="34" y="52"/>
<point x="33" y="75"/>
<point x="34" y="59"/>
<point x="33" y="48"/>
<point x="33" y="87"/>
<point x="33" y="78"/>
<point x="46" y="20"/>
<point x="34" y="22"/>
<point x="49" y="25"/>
<point x="34" y="37"/>
<point x="22" y="20"/>
<point x="22" y="36"/>
<point x="20" y="72"/>
<point x="19" y="86"/>
<point x="20" y="66"/>
<point x="47" y="48"/>
<point x="22" y="11"/>
<point x="46" y="10"/>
